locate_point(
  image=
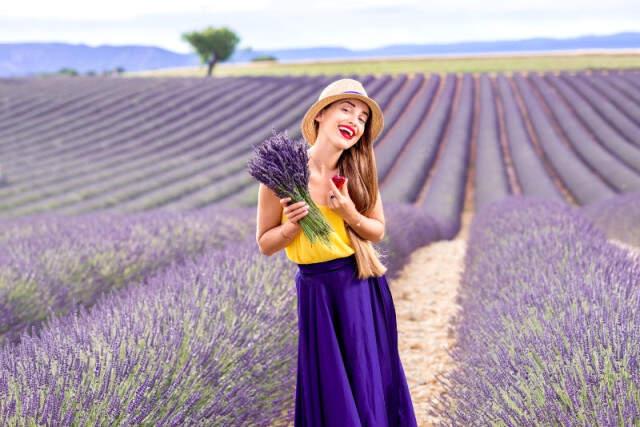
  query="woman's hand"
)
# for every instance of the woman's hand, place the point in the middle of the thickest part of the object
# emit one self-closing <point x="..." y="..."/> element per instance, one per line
<point x="340" y="201"/>
<point x="296" y="211"/>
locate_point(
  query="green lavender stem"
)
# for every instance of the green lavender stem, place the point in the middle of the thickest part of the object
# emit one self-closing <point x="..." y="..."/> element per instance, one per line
<point x="314" y="224"/>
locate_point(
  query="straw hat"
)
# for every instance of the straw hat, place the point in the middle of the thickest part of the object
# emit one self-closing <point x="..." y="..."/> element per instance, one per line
<point x="341" y="89"/>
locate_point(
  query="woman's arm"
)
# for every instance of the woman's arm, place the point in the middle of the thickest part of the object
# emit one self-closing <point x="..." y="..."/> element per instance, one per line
<point x="369" y="226"/>
<point x="272" y="236"/>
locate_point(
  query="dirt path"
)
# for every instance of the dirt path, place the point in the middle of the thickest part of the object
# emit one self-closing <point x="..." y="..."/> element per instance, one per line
<point x="424" y="296"/>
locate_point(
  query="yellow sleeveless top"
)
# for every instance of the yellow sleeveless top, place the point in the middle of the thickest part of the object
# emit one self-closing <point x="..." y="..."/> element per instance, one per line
<point x="301" y="251"/>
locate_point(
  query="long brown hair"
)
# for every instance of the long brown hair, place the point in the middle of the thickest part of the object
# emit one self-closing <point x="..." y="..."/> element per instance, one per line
<point x="358" y="164"/>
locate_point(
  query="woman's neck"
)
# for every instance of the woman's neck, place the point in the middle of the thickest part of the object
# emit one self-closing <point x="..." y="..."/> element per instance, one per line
<point x="324" y="161"/>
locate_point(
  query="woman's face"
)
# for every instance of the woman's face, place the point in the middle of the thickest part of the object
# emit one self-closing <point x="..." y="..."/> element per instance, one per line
<point x="343" y="122"/>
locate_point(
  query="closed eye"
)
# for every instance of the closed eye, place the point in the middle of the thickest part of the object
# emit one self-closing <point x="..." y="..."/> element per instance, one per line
<point x="346" y="110"/>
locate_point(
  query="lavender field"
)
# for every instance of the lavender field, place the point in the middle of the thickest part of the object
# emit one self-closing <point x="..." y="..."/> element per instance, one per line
<point x="78" y="145"/>
<point x="159" y="318"/>
<point x="549" y="333"/>
<point x="132" y="291"/>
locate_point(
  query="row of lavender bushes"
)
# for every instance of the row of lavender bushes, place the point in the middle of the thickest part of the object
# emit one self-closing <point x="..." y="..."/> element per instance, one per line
<point x="549" y="326"/>
<point x="618" y="217"/>
<point x="209" y="339"/>
<point x="212" y="338"/>
<point x="51" y="264"/>
<point x="407" y="228"/>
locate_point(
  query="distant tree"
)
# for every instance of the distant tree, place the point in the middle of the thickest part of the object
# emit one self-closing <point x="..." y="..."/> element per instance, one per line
<point x="212" y="44"/>
<point x="68" y="71"/>
<point x="264" y="58"/>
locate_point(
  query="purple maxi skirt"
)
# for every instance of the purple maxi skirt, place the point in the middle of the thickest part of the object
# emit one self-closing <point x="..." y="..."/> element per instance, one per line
<point x="349" y="369"/>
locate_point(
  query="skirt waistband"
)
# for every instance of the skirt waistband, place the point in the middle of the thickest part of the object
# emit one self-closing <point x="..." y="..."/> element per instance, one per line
<point x="331" y="265"/>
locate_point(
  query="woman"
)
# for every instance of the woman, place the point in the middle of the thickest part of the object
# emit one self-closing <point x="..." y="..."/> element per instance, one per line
<point x="349" y="370"/>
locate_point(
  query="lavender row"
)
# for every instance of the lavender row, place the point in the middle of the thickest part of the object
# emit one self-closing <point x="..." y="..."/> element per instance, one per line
<point x="30" y="105"/>
<point x="491" y="179"/>
<point x="444" y="199"/>
<point x="411" y="167"/>
<point x="628" y="151"/>
<point x="621" y="86"/>
<point x="421" y="93"/>
<point x="124" y="137"/>
<point x="51" y="265"/>
<point x="610" y="167"/>
<point x="78" y="148"/>
<point x="584" y="184"/>
<point x="598" y="94"/>
<point x="152" y="159"/>
<point x="392" y="95"/>
<point x="208" y="342"/>
<point x="529" y="168"/>
<point x="97" y="116"/>
<point x="101" y="113"/>
<point x="549" y="326"/>
<point x="407" y="228"/>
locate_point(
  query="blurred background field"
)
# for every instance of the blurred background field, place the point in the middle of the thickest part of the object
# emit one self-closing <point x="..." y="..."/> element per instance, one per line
<point x="463" y="64"/>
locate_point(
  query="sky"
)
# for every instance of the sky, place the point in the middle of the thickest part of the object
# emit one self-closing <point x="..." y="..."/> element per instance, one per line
<point x="269" y="24"/>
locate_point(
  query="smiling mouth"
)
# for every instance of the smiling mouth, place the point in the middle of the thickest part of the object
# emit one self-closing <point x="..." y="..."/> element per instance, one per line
<point x="345" y="133"/>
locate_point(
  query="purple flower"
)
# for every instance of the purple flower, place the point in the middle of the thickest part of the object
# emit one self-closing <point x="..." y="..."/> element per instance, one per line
<point x="282" y="165"/>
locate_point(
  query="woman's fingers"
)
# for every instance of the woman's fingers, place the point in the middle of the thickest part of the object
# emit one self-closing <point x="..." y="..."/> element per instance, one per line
<point x="295" y="211"/>
<point x="300" y="210"/>
<point x="303" y="211"/>
<point x="301" y="215"/>
<point x="294" y="207"/>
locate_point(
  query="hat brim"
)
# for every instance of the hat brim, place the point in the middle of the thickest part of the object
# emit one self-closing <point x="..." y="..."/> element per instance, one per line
<point x="307" y="124"/>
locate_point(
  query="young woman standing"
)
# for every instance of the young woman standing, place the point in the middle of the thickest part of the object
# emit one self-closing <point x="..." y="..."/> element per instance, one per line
<point x="349" y="369"/>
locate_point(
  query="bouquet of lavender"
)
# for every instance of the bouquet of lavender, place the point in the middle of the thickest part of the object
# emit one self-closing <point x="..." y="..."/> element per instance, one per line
<point x="282" y="165"/>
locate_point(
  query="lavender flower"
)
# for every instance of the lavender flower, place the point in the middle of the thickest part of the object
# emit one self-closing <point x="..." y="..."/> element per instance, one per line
<point x="549" y="314"/>
<point x="50" y="264"/>
<point x="282" y="165"/>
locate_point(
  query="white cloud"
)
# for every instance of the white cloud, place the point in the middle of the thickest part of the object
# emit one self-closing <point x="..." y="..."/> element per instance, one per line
<point x="113" y="10"/>
<point x="116" y="10"/>
<point x="271" y="24"/>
